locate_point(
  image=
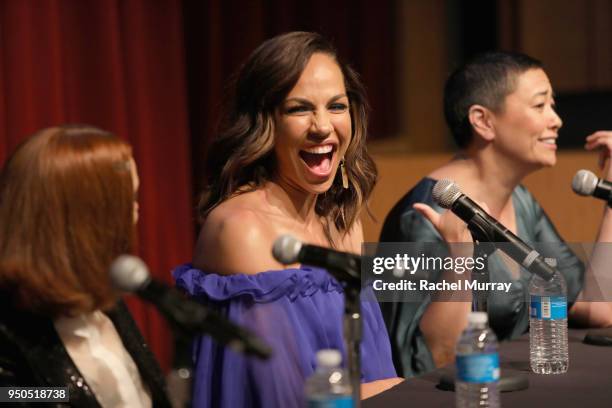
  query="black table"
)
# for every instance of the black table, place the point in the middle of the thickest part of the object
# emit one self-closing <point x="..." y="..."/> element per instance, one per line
<point x="588" y="382"/>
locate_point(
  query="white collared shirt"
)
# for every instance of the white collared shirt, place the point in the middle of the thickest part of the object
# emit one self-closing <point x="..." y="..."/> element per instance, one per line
<point x="96" y="349"/>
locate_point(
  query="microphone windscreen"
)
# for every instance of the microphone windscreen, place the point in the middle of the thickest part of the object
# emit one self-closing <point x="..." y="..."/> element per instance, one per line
<point x="286" y="249"/>
<point x="445" y="192"/>
<point x="129" y="273"/>
<point x="584" y="182"/>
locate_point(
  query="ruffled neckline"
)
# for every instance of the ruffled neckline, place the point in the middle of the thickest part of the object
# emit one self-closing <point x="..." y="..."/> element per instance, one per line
<point x="262" y="287"/>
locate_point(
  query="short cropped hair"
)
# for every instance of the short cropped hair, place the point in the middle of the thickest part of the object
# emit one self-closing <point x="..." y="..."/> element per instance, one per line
<point x="484" y="80"/>
<point x="66" y="211"/>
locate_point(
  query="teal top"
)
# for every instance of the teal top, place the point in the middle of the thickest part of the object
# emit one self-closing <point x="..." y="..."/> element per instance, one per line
<point x="508" y="312"/>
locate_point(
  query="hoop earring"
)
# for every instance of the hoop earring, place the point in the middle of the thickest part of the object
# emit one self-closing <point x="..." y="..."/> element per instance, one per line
<point x="345" y="183"/>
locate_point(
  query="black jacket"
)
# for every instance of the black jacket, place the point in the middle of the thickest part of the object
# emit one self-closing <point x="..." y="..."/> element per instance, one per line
<point x="33" y="355"/>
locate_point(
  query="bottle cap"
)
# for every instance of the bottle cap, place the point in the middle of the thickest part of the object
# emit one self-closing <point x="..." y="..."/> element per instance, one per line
<point x="478" y="318"/>
<point x="328" y="358"/>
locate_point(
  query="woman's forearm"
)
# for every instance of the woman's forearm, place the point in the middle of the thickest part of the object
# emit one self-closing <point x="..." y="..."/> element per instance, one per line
<point x="376" y="387"/>
<point x="441" y="325"/>
<point x="594" y="305"/>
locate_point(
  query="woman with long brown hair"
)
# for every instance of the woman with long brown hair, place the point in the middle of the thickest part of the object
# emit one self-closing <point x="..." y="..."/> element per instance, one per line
<point x="67" y="210"/>
<point x="290" y="159"/>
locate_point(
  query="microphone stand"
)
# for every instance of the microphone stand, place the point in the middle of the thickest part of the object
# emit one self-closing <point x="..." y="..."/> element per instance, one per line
<point x="480" y="298"/>
<point x="484" y="247"/>
<point x="350" y="279"/>
<point x="352" y="338"/>
<point x="351" y="284"/>
<point x="510" y="379"/>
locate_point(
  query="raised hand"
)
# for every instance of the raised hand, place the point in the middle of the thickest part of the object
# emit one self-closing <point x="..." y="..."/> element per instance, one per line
<point x="451" y="227"/>
<point x="602" y="141"/>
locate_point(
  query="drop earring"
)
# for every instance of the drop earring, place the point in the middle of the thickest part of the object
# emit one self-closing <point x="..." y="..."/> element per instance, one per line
<point x="345" y="183"/>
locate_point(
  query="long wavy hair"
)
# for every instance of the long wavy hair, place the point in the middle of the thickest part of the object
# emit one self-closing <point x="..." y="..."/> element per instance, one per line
<point x="241" y="154"/>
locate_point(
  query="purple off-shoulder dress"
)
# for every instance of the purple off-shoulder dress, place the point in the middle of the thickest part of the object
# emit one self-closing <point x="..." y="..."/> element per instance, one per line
<point x="295" y="311"/>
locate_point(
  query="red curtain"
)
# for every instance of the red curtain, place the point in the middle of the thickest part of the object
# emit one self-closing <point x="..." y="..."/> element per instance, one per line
<point x="118" y="65"/>
<point x="139" y="68"/>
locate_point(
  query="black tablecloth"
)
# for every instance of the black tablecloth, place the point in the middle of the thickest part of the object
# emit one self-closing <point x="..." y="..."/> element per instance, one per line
<point x="588" y="382"/>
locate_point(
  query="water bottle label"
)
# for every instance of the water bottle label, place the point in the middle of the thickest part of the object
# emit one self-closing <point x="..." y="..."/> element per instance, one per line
<point x="478" y="368"/>
<point x="548" y="307"/>
<point x="343" y="401"/>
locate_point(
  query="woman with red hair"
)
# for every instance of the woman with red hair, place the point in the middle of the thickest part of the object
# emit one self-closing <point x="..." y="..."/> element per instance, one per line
<point x="67" y="209"/>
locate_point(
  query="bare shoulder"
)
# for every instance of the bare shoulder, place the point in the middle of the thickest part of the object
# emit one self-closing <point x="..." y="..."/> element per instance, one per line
<point x="235" y="239"/>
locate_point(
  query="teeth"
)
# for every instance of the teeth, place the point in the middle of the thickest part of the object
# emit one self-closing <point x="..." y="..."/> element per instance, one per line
<point x="549" y="141"/>
<point x="319" y="149"/>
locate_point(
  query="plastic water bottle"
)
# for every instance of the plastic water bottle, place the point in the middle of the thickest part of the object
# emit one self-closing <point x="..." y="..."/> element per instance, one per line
<point x="330" y="385"/>
<point x="548" y="323"/>
<point x="477" y="365"/>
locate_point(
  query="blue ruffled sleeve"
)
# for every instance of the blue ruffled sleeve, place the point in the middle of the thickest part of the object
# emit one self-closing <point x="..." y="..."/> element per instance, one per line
<point x="295" y="311"/>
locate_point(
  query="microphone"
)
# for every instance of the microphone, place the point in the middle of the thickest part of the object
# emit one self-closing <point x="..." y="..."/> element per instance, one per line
<point x="130" y="273"/>
<point x="586" y="183"/>
<point x="487" y="229"/>
<point x="343" y="266"/>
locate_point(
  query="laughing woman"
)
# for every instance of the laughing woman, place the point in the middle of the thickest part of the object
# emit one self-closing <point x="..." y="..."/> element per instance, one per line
<point x="500" y="110"/>
<point x="291" y="159"/>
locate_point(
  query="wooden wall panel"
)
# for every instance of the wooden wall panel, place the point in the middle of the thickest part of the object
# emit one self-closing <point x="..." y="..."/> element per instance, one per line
<point x="576" y="218"/>
<point x="422" y="55"/>
<point x="601" y="43"/>
<point x="572" y="37"/>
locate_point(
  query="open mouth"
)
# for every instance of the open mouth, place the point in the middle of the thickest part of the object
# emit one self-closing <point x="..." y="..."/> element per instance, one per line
<point x="318" y="158"/>
<point x="549" y="140"/>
